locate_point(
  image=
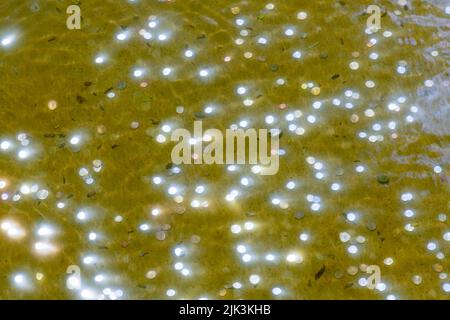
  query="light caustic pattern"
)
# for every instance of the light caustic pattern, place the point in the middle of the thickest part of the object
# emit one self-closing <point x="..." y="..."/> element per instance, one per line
<point x="85" y="173"/>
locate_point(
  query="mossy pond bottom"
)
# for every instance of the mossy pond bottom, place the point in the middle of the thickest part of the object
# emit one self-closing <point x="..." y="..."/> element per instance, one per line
<point x="93" y="207"/>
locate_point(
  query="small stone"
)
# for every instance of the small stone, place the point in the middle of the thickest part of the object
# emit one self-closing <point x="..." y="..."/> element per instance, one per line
<point x="438" y="267"/>
<point x="338" y="274"/>
<point x="383" y="179"/>
<point x="121" y="85"/>
<point x="101" y="129"/>
<point x="315" y="91"/>
<point x="372" y="226"/>
<point x="180" y="210"/>
<point x="52" y="105"/>
<point x="299" y="215"/>
<point x="235" y="10"/>
<point x="352" y="270"/>
<point x="134" y="125"/>
<point x="416" y="279"/>
<point x="302" y="15"/>
<point x="195" y="239"/>
<point x="274" y="67"/>
<point x="180" y="109"/>
<point x="97" y="163"/>
<point x="34" y="7"/>
<point x="42" y="194"/>
<point x="160" y="235"/>
<point x="151" y="274"/>
<point x="248" y="55"/>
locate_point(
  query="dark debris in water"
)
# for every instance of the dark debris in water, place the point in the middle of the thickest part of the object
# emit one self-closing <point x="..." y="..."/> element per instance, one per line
<point x="320" y="273"/>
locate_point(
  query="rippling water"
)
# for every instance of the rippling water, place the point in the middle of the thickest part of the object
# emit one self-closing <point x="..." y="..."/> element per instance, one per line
<point x="87" y="183"/>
